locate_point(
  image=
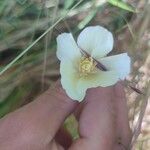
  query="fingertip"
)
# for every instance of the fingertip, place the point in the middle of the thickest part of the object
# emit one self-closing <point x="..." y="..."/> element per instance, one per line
<point x="98" y="92"/>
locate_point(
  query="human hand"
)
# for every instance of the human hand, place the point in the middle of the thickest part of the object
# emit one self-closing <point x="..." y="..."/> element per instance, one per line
<point x="102" y="116"/>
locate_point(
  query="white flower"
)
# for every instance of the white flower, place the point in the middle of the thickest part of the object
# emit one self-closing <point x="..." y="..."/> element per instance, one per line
<point x="80" y="72"/>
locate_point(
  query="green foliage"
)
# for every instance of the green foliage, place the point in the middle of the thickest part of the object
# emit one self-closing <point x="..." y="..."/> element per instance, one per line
<point x="38" y="39"/>
<point x="68" y="3"/>
<point x="87" y="19"/>
<point x="14" y="98"/>
<point x="71" y="125"/>
<point x="122" y="5"/>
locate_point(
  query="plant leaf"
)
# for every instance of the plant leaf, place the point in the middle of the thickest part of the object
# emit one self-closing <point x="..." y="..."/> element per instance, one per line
<point x="68" y="3"/>
<point x="122" y="5"/>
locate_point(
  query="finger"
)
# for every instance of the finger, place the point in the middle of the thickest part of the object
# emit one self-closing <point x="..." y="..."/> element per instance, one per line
<point x="97" y="121"/>
<point x="38" y="121"/>
<point x="122" y="121"/>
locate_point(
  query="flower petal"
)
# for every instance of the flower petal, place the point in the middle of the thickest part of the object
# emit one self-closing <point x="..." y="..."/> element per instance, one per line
<point x="101" y="78"/>
<point x="67" y="47"/>
<point x="119" y="63"/>
<point x="69" y="80"/>
<point x="96" y="40"/>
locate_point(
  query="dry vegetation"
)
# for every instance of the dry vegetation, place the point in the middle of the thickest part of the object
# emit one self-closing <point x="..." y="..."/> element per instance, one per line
<point x="23" y="21"/>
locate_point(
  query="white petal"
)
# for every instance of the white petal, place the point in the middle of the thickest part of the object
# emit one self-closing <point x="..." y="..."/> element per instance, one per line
<point x="96" y="40"/>
<point x="119" y="63"/>
<point x="67" y="47"/>
<point x="69" y="80"/>
<point x="100" y="79"/>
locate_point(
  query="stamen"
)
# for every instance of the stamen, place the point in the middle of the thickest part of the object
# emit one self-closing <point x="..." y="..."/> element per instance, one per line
<point x="99" y="65"/>
<point x="86" y="66"/>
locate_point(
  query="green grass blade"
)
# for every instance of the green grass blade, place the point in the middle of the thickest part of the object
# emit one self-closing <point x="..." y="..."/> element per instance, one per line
<point x="38" y="39"/>
<point x="87" y="19"/>
<point x="122" y="5"/>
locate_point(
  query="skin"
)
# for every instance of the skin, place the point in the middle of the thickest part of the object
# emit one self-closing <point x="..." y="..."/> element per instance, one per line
<point x="102" y="116"/>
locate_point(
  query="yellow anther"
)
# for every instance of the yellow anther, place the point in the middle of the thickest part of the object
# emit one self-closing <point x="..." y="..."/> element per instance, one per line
<point x="87" y="65"/>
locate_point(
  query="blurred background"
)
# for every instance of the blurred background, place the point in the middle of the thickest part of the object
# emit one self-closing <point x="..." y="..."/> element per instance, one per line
<point x="28" y="64"/>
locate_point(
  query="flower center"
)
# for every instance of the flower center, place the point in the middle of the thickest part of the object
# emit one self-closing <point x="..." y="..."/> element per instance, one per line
<point x="87" y="65"/>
